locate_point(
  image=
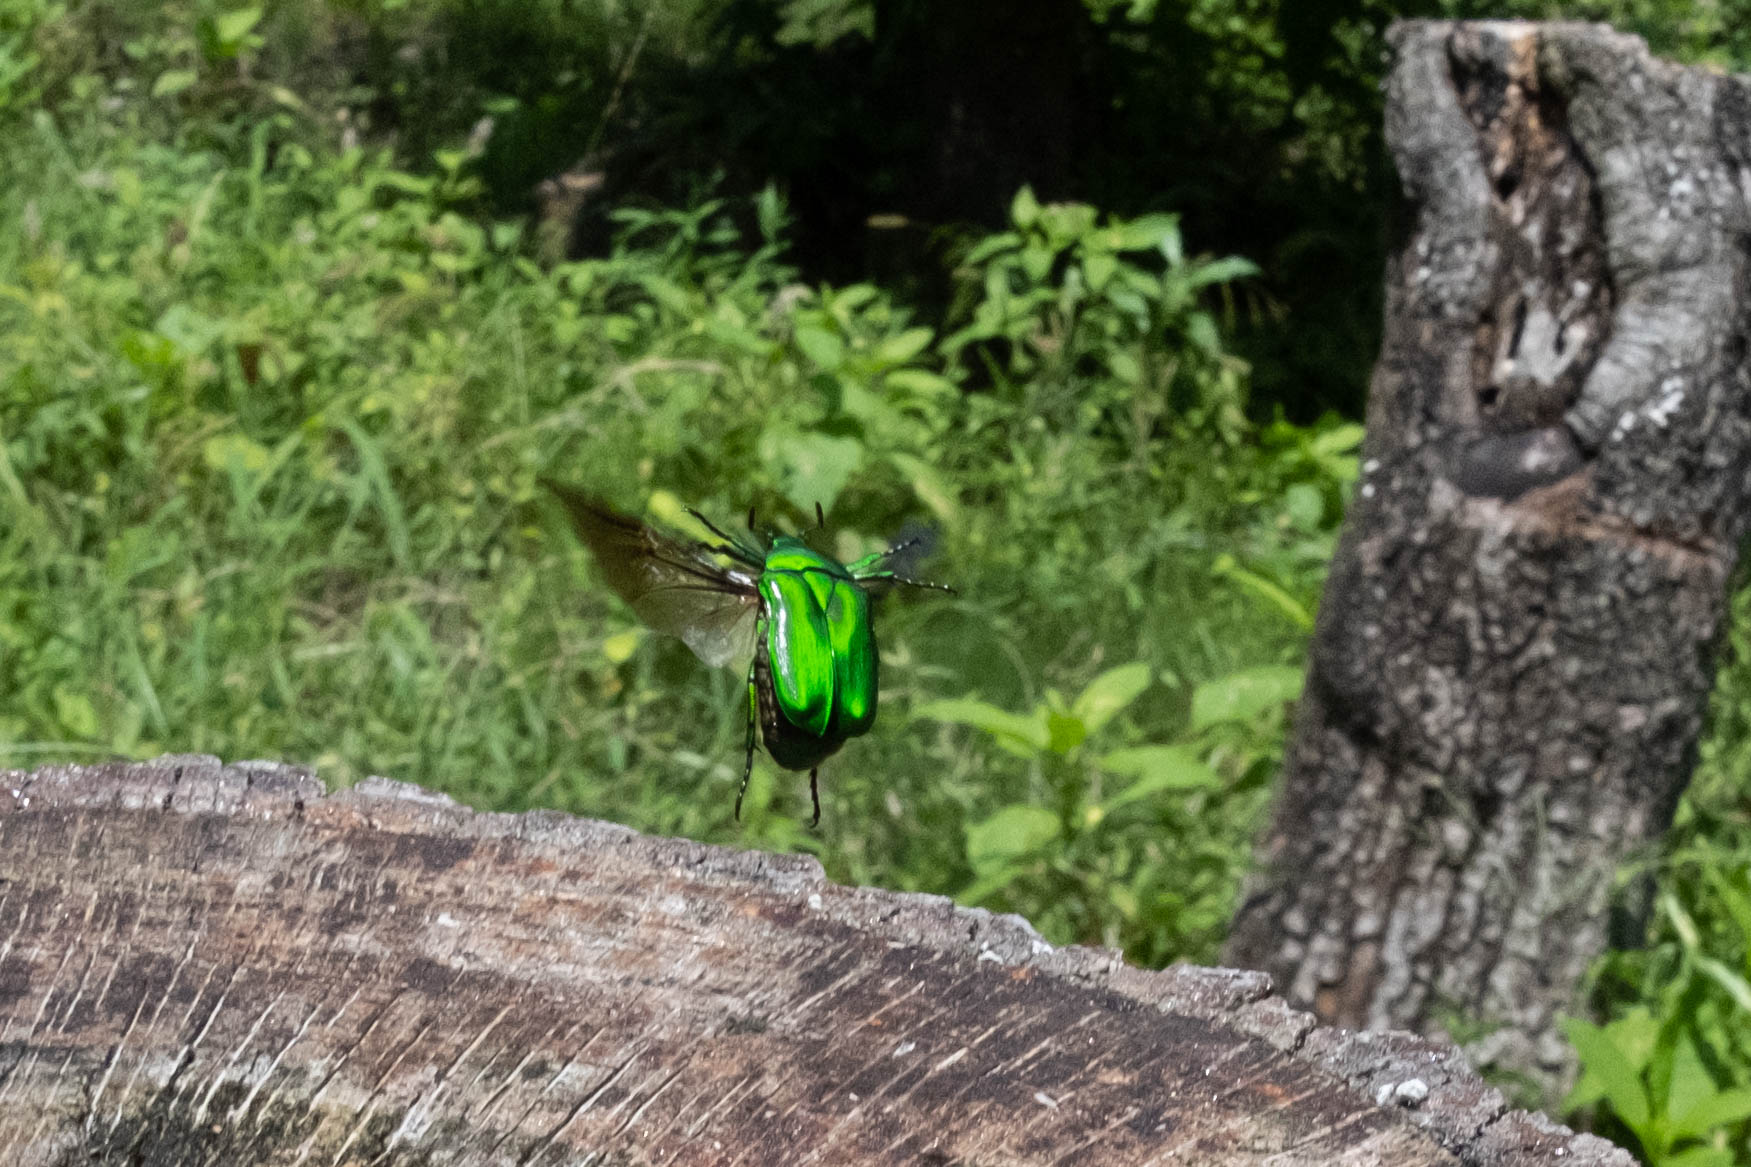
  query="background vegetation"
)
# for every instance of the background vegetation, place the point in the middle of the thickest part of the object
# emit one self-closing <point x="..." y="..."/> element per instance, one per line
<point x="297" y="301"/>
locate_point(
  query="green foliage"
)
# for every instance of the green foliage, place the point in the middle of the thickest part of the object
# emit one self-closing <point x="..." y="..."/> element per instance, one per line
<point x="1065" y="302"/>
<point x="272" y="411"/>
<point x="1671" y="1070"/>
<point x="1120" y="848"/>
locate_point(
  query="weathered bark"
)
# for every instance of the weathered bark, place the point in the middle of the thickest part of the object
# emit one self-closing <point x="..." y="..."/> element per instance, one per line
<point x="207" y="965"/>
<point x="1514" y="652"/>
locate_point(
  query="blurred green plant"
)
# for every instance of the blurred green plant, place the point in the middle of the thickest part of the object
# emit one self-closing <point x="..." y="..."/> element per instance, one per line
<point x="1670" y="1070"/>
<point x="1107" y="850"/>
<point x="1065" y="300"/>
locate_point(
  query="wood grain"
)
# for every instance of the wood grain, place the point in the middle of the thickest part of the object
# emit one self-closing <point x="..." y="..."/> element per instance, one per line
<point x="207" y="964"/>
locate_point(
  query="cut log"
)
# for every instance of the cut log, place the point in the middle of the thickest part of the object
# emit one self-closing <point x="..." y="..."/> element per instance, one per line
<point x="1515" y="648"/>
<point x="224" y="965"/>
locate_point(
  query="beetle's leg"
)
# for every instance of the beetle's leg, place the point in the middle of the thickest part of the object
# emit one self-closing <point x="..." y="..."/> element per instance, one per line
<point x="753" y="728"/>
<point x="815" y="797"/>
<point x="736" y="549"/>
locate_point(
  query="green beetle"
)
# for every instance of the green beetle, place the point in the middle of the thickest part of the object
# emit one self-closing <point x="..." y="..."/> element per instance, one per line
<point x="812" y="682"/>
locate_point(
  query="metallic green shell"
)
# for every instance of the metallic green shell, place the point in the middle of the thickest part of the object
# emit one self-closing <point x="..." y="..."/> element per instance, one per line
<point x="820" y="644"/>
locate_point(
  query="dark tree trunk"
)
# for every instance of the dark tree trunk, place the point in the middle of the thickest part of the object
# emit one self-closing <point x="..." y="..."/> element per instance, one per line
<point x="206" y="965"/>
<point x="1514" y="652"/>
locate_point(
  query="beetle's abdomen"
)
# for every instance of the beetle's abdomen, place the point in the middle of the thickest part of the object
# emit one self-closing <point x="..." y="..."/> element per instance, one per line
<point x="790" y="747"/>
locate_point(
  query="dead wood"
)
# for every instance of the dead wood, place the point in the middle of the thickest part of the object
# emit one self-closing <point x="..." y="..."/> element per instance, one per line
<point x="206" y="964"/>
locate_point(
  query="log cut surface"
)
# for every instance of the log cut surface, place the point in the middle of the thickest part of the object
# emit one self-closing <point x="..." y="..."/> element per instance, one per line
<point x="207" y="964"/>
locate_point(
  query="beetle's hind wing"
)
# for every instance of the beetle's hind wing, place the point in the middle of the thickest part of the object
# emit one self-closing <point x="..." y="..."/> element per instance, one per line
<point x="675" y="586"/>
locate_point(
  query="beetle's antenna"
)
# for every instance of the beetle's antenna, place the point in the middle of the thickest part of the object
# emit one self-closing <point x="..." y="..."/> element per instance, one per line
<point x="815" y="797"/>
<point x="901" y="546"/>
<point x="919" y="583"/>
<point x="820" y="516"/>
<point x="735" y="550"/>
<point x="750" y="520"/>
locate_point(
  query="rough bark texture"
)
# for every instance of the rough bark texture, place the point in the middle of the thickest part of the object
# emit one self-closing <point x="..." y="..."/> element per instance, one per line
<point x="1513" y="656"/>
<point x="222" y="965"/>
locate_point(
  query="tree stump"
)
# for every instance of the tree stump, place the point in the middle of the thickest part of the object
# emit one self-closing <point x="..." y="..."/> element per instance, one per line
<point x="206" y="964"/>
<point x="1514" y="653"/>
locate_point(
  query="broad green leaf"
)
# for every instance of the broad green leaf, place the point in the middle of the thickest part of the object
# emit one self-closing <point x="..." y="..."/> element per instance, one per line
<point x="1243" y="695"/>
<point x="1711" y="1111"/>
<point x="1064" y="731"/>
<point x="1155" y="769"/>
<point x="620" y="647"/>
<point x="992" y="245"/>
<point x="1009" y="834"/>
<point x="1617" y="1079"/>
<point x="810" y="467"/>
<point x="174" y="81"/>
<point x="1110" y="693"/>
<point x="920" y="384"/>
<point x="233" y="26"/>
<point x="227" y="450"/>
<point x="1148" y="232"/>
<point x="1098" y="268"/>
<point x="1220" y="271"/>
<point x="1024" y="209"/>
<point x="1698" y="1157"/>
<point x="1305" y="505"/>
<point x="1010" y="729"/>
<point x="75" y="713"/>
<point x="1340" y="439"/>
<point x="820" y="346"/>
<point x="897" y="350"/>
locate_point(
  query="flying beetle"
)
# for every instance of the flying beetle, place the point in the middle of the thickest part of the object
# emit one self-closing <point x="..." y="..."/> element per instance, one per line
<point x="812" y="678"/>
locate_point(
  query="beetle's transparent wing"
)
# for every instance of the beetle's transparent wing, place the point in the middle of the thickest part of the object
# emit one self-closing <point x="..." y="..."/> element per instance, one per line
<point x="675" y="586"/>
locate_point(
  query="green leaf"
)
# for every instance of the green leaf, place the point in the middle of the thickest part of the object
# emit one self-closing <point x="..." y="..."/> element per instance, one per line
<point x="897" y="350"/>
<point x="1064" y="731"/>
<point x="1713" y="1110"/>
<point x="1305" y="505"/>
<point x="1009" y="834"/>
<point x="227" y="450"/>
<point x="1147" y="233"/>
<point x="1698" y="1157"/>
<point x="1243" y="695"/>
<point x="1617" y="1078"/>
<point x="1110" y="693"/>
<point x="1340" y="439"/>
<point x="1156" y="768"/>
<point x="1010" y="729"/>
<point x="1265" y="589"/>
<point x="1098" y="267"/>
<point x="1024" y="209"/>
<point x="1735" y="985"/>
<point x="810" y="467"/>
<point x="173" y="81"/>
<point x="75" y="713"/>
<point x="1220" y="271"/>
<point x="820" y="346"/>
<point x="928" y="485"/>
<point x="233" y="26"/>
<point x="920" y="384"/>
<point x="992" y="245"/>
